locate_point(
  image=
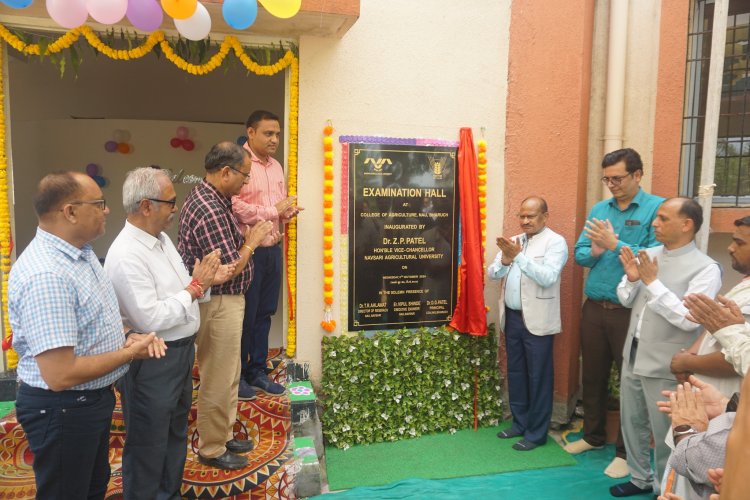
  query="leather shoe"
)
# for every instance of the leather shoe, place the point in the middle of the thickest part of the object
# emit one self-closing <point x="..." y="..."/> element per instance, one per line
<point x="262" y="383"/>
<point x="239" y="445"/>
<point x="245" y="392"/>
<point x="226" y="461"/>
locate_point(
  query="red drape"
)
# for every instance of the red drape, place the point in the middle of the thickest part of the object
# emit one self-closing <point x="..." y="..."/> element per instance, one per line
<point x="470" y="315"/>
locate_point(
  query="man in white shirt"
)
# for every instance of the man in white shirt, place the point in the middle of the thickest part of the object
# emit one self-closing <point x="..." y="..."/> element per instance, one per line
<point x="653" y="287"/>
<point x="530" y="264"/>
<point x="156" y="293"/>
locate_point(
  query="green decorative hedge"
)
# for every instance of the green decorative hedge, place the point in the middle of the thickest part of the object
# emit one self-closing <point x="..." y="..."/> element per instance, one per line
<point x="402" y="384"/>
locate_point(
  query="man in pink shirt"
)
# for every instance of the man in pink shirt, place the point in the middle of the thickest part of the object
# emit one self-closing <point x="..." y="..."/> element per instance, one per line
<point x="263" y="198"/>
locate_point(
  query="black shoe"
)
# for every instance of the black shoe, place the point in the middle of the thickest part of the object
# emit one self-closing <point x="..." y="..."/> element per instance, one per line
<point x="508" y="433"/>
<point x="226" y="461"/>
<point x="239" y="445"/>
<point x="263" y="384"/>
<point x="524" y="445"/>
<point x="628" y="490"/>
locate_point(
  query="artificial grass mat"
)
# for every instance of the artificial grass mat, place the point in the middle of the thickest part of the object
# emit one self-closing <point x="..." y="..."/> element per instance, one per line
<point x="437" y="456"/>
<point x="6" y="407"/>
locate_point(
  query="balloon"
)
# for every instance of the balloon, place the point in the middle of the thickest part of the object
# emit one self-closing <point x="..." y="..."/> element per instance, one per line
<point x="240" y="14"/>
<point x="123" y="148"/>
<point x="182" y="132"/>
<point x="145" y="15"/>
<point x="175" y="142"/>
<point x="68" y="13"/>
<point x="188" y="145"/>
<point x="282" y="8"/>
<point x="107" y="11"/>
<point x="241" y="140"/>
<point x="100" y="181"/>
<point x="121" y="136"/>
<point x="197" y="26"/>
<point x="17" y="4"/>
<point x="110" y="146"/>
<point x="180" y="9"/>
<point x="92" y="169"/>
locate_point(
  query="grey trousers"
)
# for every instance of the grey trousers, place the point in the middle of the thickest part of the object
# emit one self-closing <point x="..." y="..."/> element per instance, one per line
<point x="156" y="398"/>
<point x="640" y="418"/>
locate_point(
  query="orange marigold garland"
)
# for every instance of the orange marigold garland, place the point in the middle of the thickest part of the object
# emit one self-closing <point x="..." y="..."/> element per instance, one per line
<point x="328" y="323"/>
<point x="291" y="228"/>
<point x="482" y="189"/>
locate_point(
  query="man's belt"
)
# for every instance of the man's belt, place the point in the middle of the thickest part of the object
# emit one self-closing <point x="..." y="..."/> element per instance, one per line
<point x="605" y="304"/>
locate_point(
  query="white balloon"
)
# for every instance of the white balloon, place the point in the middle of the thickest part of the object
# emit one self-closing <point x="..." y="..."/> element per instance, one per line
<point x="195" y="27"/>
<point x="68" y="13"/>
<point x="107" y="11"/>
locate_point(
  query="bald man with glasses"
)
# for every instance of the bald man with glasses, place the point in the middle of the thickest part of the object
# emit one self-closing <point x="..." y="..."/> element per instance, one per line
<point x="617" y="222"/>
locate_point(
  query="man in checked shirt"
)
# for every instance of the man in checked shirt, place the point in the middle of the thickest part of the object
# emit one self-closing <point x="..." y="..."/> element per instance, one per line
<point x="207" y="224"/>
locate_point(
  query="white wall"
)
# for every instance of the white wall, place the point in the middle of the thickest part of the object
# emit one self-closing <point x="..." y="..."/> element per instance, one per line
<point x="405" y="69"/>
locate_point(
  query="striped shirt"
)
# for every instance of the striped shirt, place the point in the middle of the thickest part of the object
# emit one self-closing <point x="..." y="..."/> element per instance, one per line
<point x="207" y="223"/>
<point x="59" y="296"/>
<point x="258" y="198"/>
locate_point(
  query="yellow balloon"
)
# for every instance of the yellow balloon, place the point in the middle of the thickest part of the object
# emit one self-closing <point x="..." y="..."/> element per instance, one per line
<point x="280" y="8"/>
<point x="179" y="9"/>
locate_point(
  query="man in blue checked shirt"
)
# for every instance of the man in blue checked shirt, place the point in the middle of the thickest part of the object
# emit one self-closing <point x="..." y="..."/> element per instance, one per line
<point x="70" y="341"/>
<point x="623" y="220"/>
<point x="529" y="265"/>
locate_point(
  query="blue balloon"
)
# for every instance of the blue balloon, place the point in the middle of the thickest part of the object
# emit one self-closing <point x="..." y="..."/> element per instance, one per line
<point x="240" y="14"/>
<point x="17" y="4"/>
<point x="100" y="181"/>
<point x="241" y="140"/>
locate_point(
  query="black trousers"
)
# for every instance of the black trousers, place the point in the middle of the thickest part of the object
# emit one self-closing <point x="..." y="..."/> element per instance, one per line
<point x="156" y="397"/>
<point x="68" y="432"/>
<point x="261" y="301"/>
<point x="603" y="333"/>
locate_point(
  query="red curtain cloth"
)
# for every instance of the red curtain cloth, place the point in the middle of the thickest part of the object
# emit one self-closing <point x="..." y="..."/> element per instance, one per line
<point x="470" y="315"/>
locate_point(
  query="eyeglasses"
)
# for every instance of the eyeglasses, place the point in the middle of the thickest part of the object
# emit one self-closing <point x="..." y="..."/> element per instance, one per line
<point x="102" y="204"/>
<point x="171" y="202"/>
<point x="616" y="180"/>
<point x="245" y="175"/>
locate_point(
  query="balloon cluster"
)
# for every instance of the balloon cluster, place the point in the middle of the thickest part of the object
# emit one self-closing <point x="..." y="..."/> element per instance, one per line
<point x="181" y="140"/>
<point x="120" y="143"/>
<point x="190" y="16"/>
<point x="95" y="172"/>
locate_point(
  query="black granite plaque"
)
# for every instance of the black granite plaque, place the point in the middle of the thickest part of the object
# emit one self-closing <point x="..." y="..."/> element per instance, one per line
<point x="403" y="230"/>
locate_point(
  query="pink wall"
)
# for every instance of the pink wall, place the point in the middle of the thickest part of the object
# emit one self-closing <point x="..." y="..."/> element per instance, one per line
<point x="549" y="83"/>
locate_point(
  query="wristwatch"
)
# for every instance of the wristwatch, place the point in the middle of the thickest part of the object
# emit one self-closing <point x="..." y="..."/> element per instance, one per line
<point x="682" y="431"/>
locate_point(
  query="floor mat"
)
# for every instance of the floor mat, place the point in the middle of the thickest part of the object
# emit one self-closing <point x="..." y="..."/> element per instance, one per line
<point x="436" y="456"/>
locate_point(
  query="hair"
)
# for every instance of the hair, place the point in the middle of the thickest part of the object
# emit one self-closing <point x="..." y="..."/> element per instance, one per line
<point x="542" y="202"/>
<point x="140" y="184"/>
<point x="690" y="209"/>
<point x="54" y="190"/>
<point x="744" y="221"/>
<point x="258" y="116"/>
<point x="632" y="159"/>
<point x="224" y="154"/>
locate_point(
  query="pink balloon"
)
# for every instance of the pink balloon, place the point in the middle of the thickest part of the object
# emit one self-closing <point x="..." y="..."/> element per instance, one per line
<point x="107" y="11"/>
<point x="182" y="132"/>
<point x="145" y="15"/>
<point x="68" y="13"/>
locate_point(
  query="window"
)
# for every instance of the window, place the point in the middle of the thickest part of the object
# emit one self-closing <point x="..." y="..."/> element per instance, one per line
<point x="732" y="171"/>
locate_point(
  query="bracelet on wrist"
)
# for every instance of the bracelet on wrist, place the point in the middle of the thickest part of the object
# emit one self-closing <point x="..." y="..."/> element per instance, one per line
<point x="252" y="250"/>
<point x="197" y="287"/>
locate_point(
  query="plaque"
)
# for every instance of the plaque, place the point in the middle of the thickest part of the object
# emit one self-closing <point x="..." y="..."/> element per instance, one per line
<point x="403" y="220"/>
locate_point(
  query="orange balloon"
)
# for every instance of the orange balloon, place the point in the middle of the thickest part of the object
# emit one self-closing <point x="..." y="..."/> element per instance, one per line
<point x="123" y="148"/>
<point x="179" y="9"/>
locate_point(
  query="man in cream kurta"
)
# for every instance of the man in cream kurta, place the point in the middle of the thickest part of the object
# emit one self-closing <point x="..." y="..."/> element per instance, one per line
<point x="654" y="285"/>
<point x="529" y="265"/>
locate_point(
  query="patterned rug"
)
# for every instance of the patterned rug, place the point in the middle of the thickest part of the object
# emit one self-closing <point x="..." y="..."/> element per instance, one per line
<point x="266" y="420"/>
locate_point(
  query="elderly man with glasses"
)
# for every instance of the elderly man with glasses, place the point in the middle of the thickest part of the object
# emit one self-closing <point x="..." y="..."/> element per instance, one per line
<point x="69" y="339"/>
<point x="617" y="222"/>
<point x="156" y="293"/>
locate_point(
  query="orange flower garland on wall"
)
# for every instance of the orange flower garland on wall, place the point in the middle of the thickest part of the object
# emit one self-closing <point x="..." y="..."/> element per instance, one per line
<point x="328" y="323"/>
<point x="482" y="188"/>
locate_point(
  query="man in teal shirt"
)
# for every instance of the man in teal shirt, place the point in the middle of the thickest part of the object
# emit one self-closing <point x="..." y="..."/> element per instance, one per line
<point x="624" y="219"/>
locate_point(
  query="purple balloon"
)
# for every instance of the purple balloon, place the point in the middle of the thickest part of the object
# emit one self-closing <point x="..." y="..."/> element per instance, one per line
<point x="100" y="181"/>
<point x="145" y="15"/>
<point x="110" y="146"/>
<point x="92" y="169"/>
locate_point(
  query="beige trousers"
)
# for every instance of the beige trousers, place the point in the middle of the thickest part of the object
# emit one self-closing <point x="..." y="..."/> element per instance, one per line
<point x="218" y="353"/>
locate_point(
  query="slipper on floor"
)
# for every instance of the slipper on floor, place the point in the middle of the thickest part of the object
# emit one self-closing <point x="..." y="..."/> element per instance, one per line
<point x="628" y="490"/>
<point x="524" y="445"/>
<point x="507" y="434"/>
